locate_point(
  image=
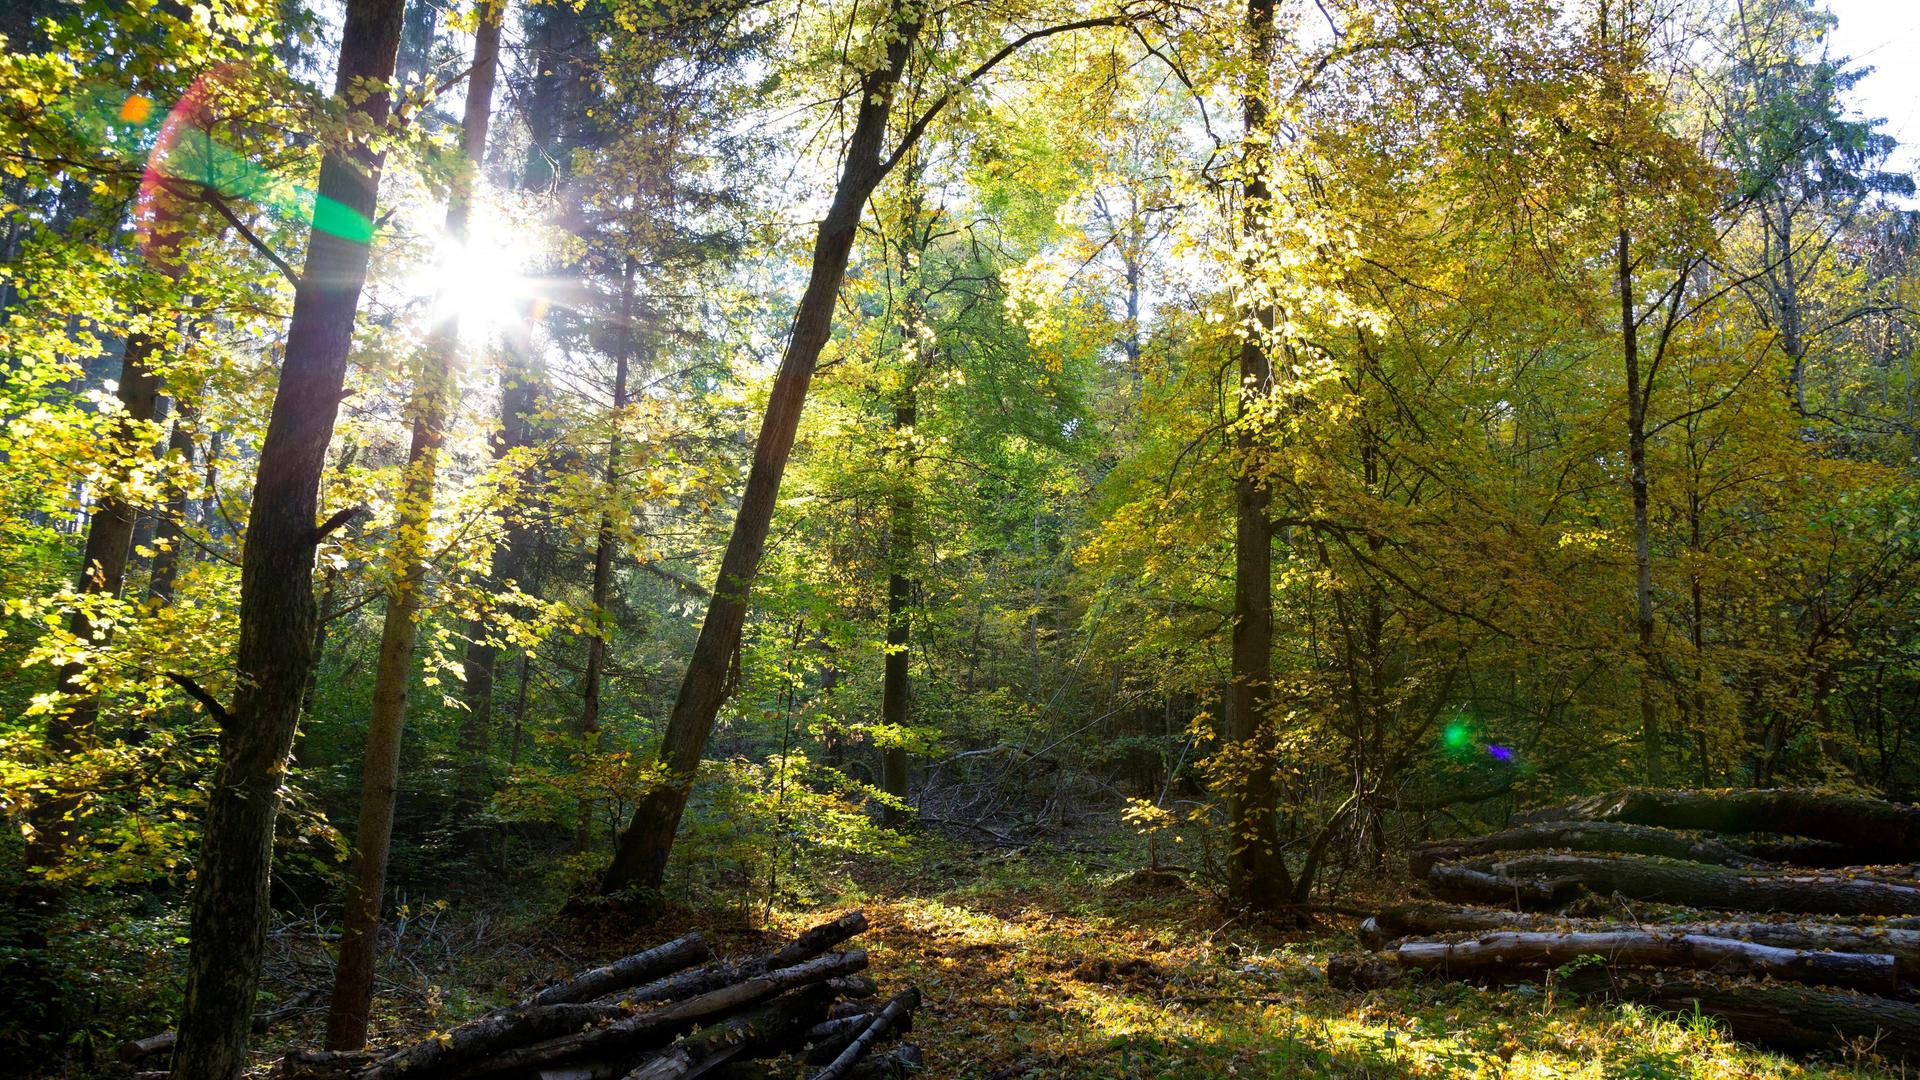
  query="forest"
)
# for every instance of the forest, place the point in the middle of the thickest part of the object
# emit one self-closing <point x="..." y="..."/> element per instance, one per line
<point x="1355" y="538"/>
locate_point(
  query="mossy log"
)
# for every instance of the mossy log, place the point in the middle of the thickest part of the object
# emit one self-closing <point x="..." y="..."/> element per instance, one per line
<point x="1880" y="830"/>
<point x="1503" y="951"/>
<point x="1552" y="879"/>
<point x="1601" y="836"/>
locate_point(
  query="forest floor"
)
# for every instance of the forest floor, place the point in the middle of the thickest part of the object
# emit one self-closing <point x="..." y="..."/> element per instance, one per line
<point x="1042" y="965"/>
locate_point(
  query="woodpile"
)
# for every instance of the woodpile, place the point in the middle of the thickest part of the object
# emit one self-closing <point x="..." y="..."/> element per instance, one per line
<point x="672" y="1012"/>
<point x="1791" y="915"/>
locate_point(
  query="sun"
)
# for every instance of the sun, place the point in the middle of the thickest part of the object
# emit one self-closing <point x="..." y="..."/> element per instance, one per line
<point x="480" y="284"/>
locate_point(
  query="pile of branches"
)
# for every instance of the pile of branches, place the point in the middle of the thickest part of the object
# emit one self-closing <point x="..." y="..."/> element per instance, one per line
<point x="1792" y="915"/>
<point x="672" y="1012"/>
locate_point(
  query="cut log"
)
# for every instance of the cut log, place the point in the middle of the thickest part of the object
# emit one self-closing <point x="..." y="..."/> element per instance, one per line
<point x="649" y="1029"/>
<point x="1603" y="836"/>
<point x="895" y="1017"/>
<point x="824" y="1041"/>
<point x="746" y="1035"/>
<point x="1553" y="879"/>
<point x="675" y="955"/>
<point x="1903" y="944"/>
<point x="1508" y="950"/>
<point x="705" y="980"/>
<point x="1787" y="1017"/>
<point x="477" y="1039"/>
<point x="1884" y="830"/>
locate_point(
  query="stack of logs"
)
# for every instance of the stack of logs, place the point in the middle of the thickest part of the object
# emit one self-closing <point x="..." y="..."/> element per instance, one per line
<point x="669" y="1013"/>
<point x="1791" y="915"/>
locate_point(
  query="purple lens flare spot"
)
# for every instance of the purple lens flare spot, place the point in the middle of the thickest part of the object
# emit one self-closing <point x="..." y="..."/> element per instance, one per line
<point x="1500" y="753"/>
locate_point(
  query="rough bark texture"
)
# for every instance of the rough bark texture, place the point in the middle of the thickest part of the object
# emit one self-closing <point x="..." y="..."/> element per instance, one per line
<point x="1637" y="484"/>
<point x="1794" y="1018"/>
<point x="750" y="1034"/>
<point x="1903" y="944"/>
<point x="894" y="1017"/>
<point x="1256" y="874"/>
<point x="229" y="912"/>
<point x="640" y="857"/>
<point x="1509" y="950"/>
<point x="380" y="767"/>
<point x="1605" y="836"/>
<point x="1555" y="879"/>
<point x="681" y="952"/>
<point x="1891" y="831"/>
<point x="659" y="1024"/>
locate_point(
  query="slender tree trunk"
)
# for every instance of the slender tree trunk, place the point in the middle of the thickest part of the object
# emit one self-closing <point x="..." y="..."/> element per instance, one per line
<point x="895" y="691"/>
<point x="276" y="586"/>
<point x="606" y="547"/>
<point x="353" y="977"/>
<point x="1256" y="875"/>
<point x="169" y="535"/>
<point x="1642" y="547"/>
<point x="640" y="856"/>
<point x="103" y="573"/>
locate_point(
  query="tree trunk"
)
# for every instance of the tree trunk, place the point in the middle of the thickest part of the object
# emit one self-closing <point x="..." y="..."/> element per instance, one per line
<point x="894" y="692"/>
<point x="1256" y="873"/>
<point x="1555" y="879"/>
<point x="1605" y="836"/>
<point x="1500" y="952"/>
<point x="229" y="912"/>
<point x="380" y="770"/>
<point x="1642" y="544"/>
<point x="640" y="856"/>
<point x="1871" y="827"/>
<point x="170" y="535"/>
<point x="103" y="572"/>
<point x="606" y="545"/>
<point x="1791" y="1018"/>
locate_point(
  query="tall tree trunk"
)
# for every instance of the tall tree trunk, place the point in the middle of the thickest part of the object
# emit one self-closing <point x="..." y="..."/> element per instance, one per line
<point x="170" y="535"/>
<point x="1256" y="874"/>
<point x="276" y="582"/>
<point x="640" y="856"/>
<point x="894" y="691"/>
<point x="606" y="547"/>
<point x="380" y="771"/>
<point x="103" y="572"/>
<point x="1642" y="547"/>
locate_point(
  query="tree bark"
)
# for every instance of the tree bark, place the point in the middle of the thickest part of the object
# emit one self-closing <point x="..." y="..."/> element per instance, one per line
<point x="406" y="596"/>
<point x="1792" y="1018"/>
<point x="606" y="546"/>
<point x="1256" y="873"/>
<point x="103" y="572"/>
<point x="897" y="1014"/>
<point x="169" y="534"/>
<point x="1604" y="836"/>
<point x="1555" y="879"/>
<point x="895" y="689"/>
<point x="750" y="1034"/>
<point x="1860" y="825"/>
<point x="1507" y="950"/>
<point x="1412" y="920"/>
<point x="653" y="1027"/>
<point x="640" y="856"/>
<point x="229" y="912"/>
<point x="633" y="970"/>
<point x="1642" y="543"/>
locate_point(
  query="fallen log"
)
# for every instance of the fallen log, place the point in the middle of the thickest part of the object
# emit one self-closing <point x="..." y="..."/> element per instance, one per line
<point x="742" y="1036"/>
<point x="823" y="1042"/>
<point x="1602" y="836"/>
<point x="1410" y="920"/>
<point x="1881" y="829"/>
<point x="1508" y="950"/>
<point x="675" y="955"/>
<point x="902" y="1061"/>
<point x="894" y="1017"/>
<point x="1788" y="1017"/>
<point x="705" y="980"/>
<point x="650" y="1029"/>
<point x="1550" y="879"/>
